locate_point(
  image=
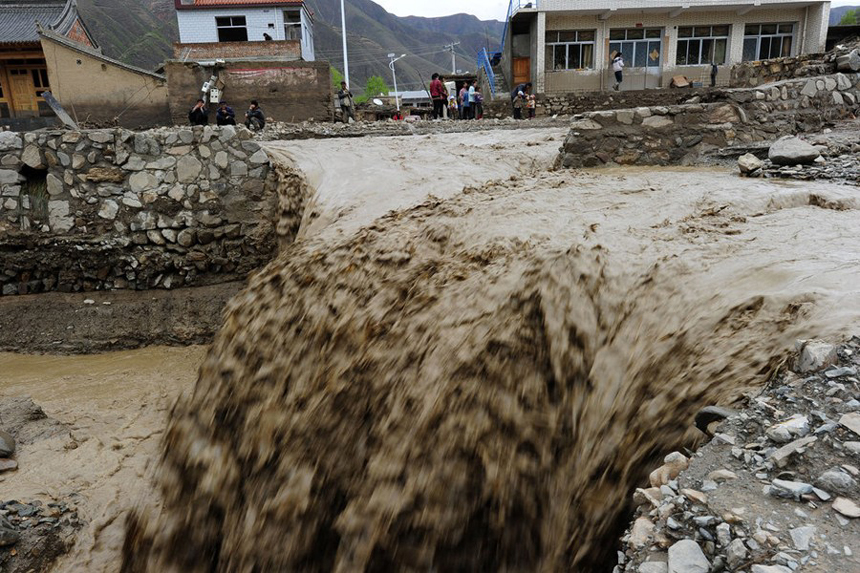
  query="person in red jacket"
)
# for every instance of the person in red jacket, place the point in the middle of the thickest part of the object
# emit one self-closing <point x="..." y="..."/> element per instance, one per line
<point x="438" y="95"/>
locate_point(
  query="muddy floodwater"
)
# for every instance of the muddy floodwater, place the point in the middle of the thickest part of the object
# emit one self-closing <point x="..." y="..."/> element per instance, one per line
<point x="465" y="361"/>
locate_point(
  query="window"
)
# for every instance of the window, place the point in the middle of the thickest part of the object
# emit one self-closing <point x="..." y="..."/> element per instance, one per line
<point x="232" y="29"/>
<point x="701" y="45"/>
<point x="640" y="47"/>
<point x="765" y="41"/>
<point x="570" y="50"/>
<point x="293" y="25"/>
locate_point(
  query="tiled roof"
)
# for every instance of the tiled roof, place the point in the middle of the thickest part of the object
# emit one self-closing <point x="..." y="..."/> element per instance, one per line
<point x="18" y="19"/>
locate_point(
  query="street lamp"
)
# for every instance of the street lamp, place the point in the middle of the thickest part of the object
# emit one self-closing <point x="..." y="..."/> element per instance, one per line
<point x="394" y="74"/>
<point x="343" y="30"/>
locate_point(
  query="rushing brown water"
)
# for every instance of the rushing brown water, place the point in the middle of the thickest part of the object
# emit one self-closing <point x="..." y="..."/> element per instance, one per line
<point x="477" y="383"/>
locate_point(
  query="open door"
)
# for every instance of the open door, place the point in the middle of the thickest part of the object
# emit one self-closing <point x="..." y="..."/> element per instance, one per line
<point x="522" y="70"/>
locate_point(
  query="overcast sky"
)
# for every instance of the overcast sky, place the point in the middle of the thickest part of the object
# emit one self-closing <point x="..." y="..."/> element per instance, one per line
<point x="483" y="9"/>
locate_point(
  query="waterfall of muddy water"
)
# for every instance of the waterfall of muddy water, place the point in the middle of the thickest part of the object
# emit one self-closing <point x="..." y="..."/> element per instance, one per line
<point x="478" y="382"/>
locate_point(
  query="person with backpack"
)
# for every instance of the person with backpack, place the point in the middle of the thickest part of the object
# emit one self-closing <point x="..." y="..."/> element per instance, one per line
<point x="618" y="68"/>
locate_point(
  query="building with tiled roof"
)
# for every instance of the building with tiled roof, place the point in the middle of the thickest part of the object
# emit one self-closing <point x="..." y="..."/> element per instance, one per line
<point x="244" y="22"/>
<point x="23" y="69"/>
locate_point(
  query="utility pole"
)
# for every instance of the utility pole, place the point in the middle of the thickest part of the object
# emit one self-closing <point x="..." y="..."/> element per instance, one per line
<point x="453" y="57"/>
<point x="345" y="56"/>
<point x="394" y="75"/>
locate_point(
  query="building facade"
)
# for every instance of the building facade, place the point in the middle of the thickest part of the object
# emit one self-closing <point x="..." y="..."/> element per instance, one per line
<point x="568" y="45"/>
<point x="247" y="21"/>
<point x="23" y="67"/>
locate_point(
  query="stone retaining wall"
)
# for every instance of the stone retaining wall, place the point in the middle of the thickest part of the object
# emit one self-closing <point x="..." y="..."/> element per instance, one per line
<point x="105" y="209"/>
<point x="663" y="135"/>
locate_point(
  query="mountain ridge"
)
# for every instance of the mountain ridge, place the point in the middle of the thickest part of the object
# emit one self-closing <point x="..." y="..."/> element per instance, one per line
<point x="142" y="33"/>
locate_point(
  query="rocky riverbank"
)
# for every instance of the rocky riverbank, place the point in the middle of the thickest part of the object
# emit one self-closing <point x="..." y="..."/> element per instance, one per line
<point x="776" y="488"/>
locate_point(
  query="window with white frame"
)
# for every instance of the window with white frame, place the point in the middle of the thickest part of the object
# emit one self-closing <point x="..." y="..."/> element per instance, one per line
<point x="292" y="25"/>
<point x="700" y="45"/>
<point x="640" y="47"/>
<point x="231" y="28"/>
<point x="570" y="50"/>
<point x="765" y="41"/>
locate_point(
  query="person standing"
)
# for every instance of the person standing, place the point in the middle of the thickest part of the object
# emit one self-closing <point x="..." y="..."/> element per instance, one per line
<point x="532" y="106"/>
<point x="255" y="119"/>
<point x="714" y="71"/>
<point x="618" y="68"/>
<point x="479" y="103"/>
<point x="199" y="115"/>
<point x="521" y="91"/>
<point x="472" y="100"/>
<point x="344" y="96"/>
<point x="225" y="115"/>
<point x="519" y="102"/>
<point x="437" y="94"/>
<point x="464" y="102"/>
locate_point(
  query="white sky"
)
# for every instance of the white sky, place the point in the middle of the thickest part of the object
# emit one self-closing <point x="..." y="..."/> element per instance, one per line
<point x="483" y="9"/>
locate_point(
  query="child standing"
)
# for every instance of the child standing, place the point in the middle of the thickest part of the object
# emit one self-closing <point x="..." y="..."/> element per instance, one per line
<point x="479" y="103"/>
<point x="532" y="105"/>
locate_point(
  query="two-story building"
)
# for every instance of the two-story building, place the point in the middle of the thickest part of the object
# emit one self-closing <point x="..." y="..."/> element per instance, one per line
<point x="242" y="27"/>
<point x="568" y="45"/>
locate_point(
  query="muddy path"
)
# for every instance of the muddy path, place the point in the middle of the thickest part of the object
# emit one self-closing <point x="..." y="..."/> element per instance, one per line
<point x="478" y="382"/>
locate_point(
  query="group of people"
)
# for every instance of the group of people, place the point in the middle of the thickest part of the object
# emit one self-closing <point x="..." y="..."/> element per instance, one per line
<point x="255" y="119"/>
<point x="467" y="103"/>
<point x="521" y="100"/>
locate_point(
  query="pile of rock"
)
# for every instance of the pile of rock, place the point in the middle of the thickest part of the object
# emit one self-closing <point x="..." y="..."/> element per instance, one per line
<point x="33" y="534"/>
<point x="289" y="131"/>
<point x="755" y="73"/>
<point x="791" y="157"/>
<point x="776" y="488"/>
<point x="7" y="450"/>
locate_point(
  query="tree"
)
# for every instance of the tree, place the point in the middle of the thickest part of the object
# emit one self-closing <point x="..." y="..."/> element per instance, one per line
<point x="376" y="86"/>
<point x="849" y="18"/>
<point x="336" y="78"/>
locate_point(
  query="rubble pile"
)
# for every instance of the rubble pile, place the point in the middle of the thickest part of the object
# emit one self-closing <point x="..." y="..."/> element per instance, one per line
<point x="833" y="155"/>
<point x="776" y="488"/>
<point x="309" y="130"/>
<point x="756" y="73"/>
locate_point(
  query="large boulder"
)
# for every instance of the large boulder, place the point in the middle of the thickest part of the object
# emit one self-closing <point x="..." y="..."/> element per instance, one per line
<point x="749" y="163"/>
<point x="790" y="150"/>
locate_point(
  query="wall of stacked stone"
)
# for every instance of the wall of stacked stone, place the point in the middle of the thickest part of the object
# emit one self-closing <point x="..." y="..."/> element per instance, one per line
<point x="758" y="73"/>
<point x="113" y="209"/>
<point x="665" y="135"/>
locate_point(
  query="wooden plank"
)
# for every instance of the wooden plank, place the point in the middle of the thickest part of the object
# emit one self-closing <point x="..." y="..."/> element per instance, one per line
<point x="58" y="109"/>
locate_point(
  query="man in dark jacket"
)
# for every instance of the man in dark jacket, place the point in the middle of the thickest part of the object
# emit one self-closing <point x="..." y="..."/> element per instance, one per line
<point x="225" y="115"/>
<point x="344" y="96"/>
<point x="199" y="115"/>
<point x="255" y="120"/>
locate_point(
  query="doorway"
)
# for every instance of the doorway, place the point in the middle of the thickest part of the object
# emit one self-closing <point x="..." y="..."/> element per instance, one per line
<point x="522" y="70"/>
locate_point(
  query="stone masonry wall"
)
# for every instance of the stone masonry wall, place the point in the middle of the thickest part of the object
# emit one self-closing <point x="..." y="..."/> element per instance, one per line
<point x="663" y="135"/>
<point x="106" y="209"/>
<point x="757" y="73"/>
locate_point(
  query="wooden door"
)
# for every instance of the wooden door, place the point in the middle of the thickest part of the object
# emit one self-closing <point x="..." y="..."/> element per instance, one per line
<point x="522" y="70"/>
<point x="23" y="91"/>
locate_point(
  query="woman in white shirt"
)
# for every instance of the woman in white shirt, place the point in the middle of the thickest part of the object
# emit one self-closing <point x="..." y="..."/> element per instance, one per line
<point x="617" y="67"/>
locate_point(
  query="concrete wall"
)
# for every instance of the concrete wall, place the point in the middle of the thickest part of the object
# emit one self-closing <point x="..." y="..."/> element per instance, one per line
<point x="198" y="26"/>
<point x="288" y="50"/>
<point x="93" y="88"/>
<point x="107" y="209"/>
<point x="663" y="135"/>
<point x="810" y="34"/>
<point x="287" y="91"/>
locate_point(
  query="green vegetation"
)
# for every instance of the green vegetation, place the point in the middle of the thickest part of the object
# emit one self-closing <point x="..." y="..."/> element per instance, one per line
<point x="375" y="87"/>
<point x="336" y="78"/>
<point x="849" y="18"/>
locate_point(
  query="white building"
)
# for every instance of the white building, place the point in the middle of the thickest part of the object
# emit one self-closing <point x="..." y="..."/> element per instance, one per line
<point x="567" y="45"/>
<point x="222" y="21"/>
